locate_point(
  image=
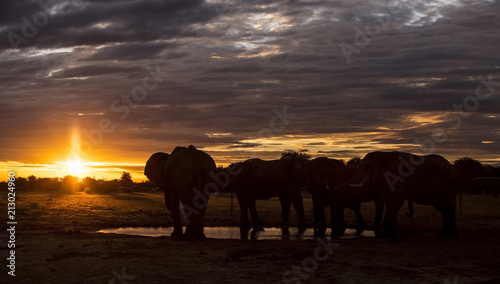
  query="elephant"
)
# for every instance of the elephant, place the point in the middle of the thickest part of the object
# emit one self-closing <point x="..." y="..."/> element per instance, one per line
<point x="390" y="178"/>
<point x="323" y="174"/>
<point x="182" y="176"/>
<point x="259" y="180"/>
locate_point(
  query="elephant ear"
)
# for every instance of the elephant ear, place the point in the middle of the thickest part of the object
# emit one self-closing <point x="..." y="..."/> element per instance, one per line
<point x="156" y="160"/>
<point x="154" y="168"/>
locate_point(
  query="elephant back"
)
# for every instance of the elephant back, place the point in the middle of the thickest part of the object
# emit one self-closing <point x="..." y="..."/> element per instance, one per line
<point x="189" y="167"/>
<point x="324" y="169"/>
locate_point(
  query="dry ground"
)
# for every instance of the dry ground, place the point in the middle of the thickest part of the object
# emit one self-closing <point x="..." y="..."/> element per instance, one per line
<point x="56" y="242"/>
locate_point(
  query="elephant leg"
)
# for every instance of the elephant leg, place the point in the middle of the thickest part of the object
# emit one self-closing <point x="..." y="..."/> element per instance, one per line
<point x="196" y="205"/>
<point x="176" y="215"/>
<point x="319" y="218"/>
<point x="356" y="207"/>
<point x="194" y="229"/>
<point x="360" y="221"/>
<point x="200" y="222"/>
<point x="192" y="223"/>
<point x="298" y="205"/>
<point x="195" y="216"/>
<point x="258" y="224"/>
<point x="410" y="212"/>
<point x="379" y="210"/>
<point x="244" y="222"/>
<point x="200" y="234"/>
<point x="338" y="222"/>
<point x="285" y="215"/>
<point x="392" y="207"/>
<point x="172" y="204"/>
<point x="449" y="224"/>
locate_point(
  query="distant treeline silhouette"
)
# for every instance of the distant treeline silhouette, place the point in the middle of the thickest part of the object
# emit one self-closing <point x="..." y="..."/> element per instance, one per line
<point x="468" y="169"/>
<point x="70" y="184"/>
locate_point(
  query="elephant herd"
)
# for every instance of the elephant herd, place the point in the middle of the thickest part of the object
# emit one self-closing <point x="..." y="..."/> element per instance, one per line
<point x="387" y="178"/>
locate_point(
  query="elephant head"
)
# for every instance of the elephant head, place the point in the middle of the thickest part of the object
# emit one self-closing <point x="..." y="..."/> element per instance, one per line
<point x="322" y="174"/>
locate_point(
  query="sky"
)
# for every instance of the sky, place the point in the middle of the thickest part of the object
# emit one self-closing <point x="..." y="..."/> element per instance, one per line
<point x="93" y="88"/>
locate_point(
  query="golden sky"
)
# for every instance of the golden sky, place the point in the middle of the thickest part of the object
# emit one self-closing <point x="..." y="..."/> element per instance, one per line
<point x="87" y="92"/>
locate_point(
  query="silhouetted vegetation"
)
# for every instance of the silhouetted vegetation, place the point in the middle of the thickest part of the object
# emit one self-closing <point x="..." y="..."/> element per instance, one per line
<point x="352" y="165"/>
<point x="469" y="167"/>
<point x="294" y="154"/>
<point x="89" y="185"/>
<point x="477" y="178"/>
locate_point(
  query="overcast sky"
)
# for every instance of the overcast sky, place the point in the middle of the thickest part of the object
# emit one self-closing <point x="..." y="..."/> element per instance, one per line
<point x="240" y="79"/>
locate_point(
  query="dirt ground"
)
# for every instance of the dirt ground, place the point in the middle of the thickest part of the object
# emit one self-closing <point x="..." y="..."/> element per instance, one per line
<point x="56" y="242"/>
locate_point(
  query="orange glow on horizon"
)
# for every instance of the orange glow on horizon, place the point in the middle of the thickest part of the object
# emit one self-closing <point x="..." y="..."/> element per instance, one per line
<point x="108" y="161"/>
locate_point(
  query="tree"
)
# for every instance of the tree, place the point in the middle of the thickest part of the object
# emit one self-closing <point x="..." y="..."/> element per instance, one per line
<point x="469" y="167"/>
<point x="491" y="171"/>
<point x="352" y="165"/>
<point x="70" y="184"/>
<point x="32" y="182"/>
<point x="126" y="180"/>
<point x="90" y="185"/>
<point x="294" y="154"/>
<point x="354" y="161"/>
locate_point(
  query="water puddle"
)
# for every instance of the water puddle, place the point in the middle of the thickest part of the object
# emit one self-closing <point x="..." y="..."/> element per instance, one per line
<point x="229" y="233"/>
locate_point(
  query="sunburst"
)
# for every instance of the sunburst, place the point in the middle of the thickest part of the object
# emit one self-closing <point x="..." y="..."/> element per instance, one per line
<point x="75" y="167"/>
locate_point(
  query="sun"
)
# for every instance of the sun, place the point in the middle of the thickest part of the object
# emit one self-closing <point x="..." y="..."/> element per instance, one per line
<point x="75" y="167"/>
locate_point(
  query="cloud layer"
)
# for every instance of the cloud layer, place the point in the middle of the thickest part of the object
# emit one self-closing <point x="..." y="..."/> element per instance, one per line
<point x="356" y="77"/>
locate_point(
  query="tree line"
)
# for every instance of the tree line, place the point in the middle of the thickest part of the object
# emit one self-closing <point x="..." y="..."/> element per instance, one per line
<point x="71" y="184"/>
<point x="467" y="168"/>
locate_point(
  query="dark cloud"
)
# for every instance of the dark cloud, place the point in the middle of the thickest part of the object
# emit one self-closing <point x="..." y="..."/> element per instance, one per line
<point x="230" y="67"/>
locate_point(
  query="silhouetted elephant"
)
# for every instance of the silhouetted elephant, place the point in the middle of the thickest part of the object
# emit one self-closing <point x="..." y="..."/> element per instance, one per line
<point x="182" y="176"/>
<point x="389" y="178"/>
<point x="322" y="176"/>
<point x="260" y="179"/>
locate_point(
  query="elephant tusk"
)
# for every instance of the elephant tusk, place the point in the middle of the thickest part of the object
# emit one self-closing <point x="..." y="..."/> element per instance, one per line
<point x="357" y="185"/>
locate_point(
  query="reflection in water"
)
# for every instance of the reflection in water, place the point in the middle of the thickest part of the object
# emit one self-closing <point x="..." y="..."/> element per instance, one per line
<point x="229" y="233"/>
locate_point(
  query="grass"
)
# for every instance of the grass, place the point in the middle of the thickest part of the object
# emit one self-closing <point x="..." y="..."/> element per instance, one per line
<point x="90" y="212"/>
